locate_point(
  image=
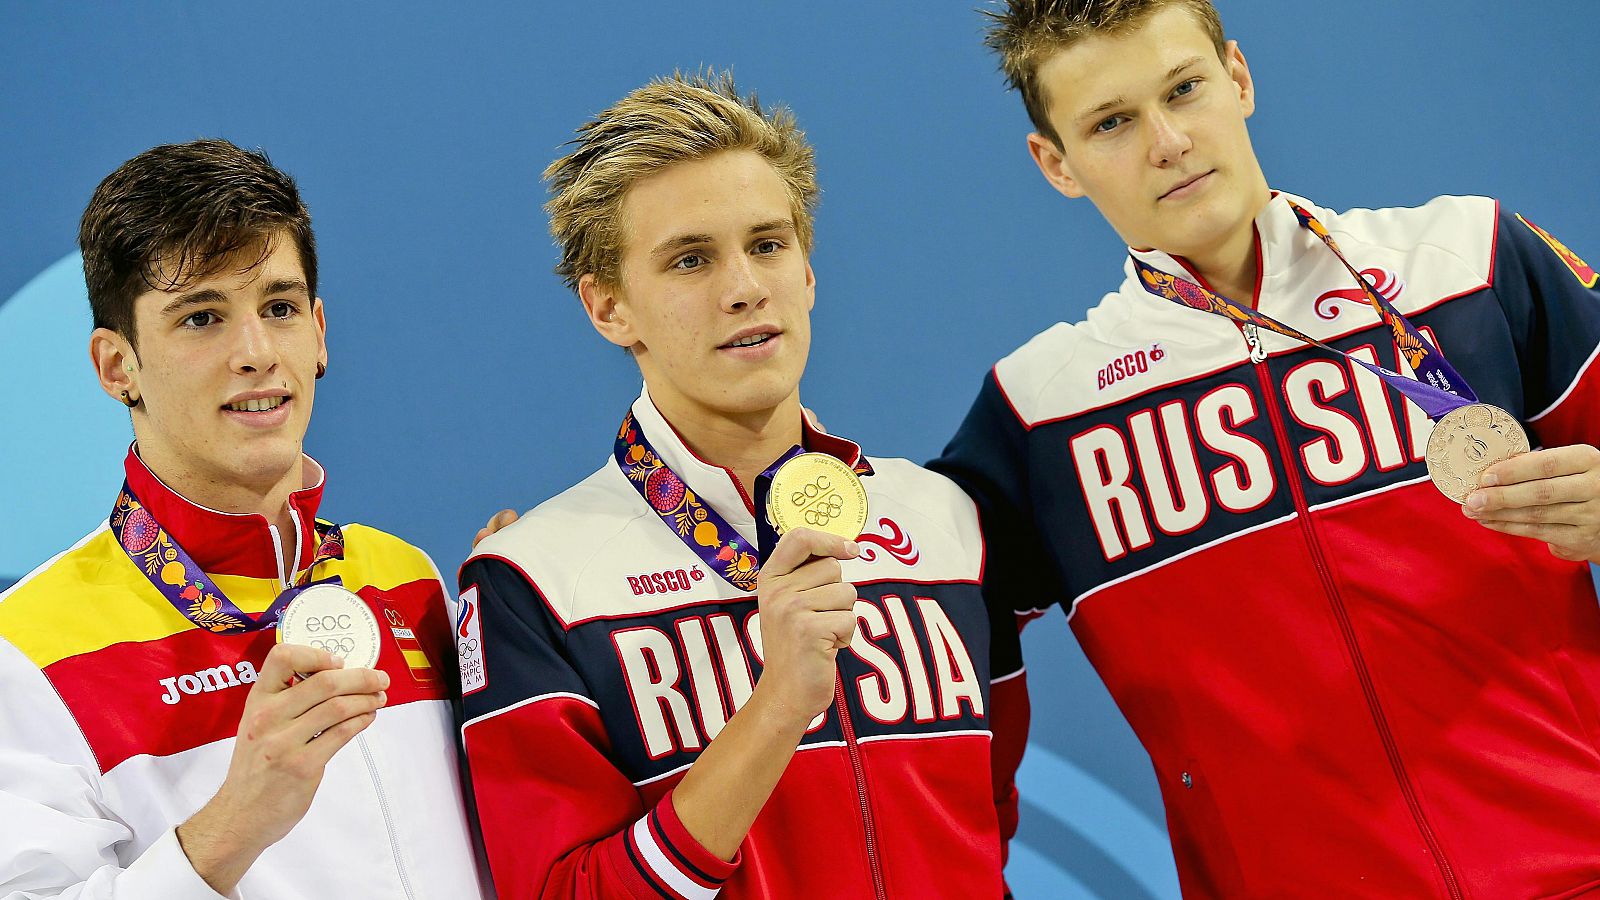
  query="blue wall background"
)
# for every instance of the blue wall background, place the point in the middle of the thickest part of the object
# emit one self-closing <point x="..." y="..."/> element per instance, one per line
<point x="465" y="379"/>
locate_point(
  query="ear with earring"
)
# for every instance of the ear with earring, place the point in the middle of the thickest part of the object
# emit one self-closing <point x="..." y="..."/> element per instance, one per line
<point x="127" y="398"/>
<point x="322" y="369"/>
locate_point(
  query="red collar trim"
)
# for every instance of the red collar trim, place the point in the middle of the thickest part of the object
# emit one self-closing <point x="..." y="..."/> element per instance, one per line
<point x="228" y="543"/>
<point x="847" y="451"/>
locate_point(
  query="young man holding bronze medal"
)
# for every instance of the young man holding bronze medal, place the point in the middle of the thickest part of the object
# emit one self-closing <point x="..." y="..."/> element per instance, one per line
<point x="1321" y="611"/>
<point x="741" y="658"/>
<point x="214" y="693"/>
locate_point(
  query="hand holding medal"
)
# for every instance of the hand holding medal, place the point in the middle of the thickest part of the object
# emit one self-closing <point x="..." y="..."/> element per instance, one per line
<point x="818" y="506"/>
<point x="1550" y="495"/>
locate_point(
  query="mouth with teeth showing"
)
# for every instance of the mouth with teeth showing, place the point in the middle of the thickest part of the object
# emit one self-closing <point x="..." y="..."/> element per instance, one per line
<point x="754" y="340"/>
<point x="262" y="404"/>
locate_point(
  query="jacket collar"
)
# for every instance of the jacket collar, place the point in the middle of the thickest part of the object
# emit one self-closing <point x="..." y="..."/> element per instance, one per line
<point x="716" y="485"/>
<point x="1280" y="240"/>
<point x="231" y="543"/>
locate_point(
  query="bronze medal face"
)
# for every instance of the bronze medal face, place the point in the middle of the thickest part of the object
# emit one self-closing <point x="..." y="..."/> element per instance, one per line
<point x="815" y="490"/>
<point x="1468" y="440"/>
<point x="331" y="618"/>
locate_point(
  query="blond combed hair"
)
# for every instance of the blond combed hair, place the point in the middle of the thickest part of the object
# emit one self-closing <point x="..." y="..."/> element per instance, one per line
<point x="672" y="119"/>
<point x="1026" y="33"/>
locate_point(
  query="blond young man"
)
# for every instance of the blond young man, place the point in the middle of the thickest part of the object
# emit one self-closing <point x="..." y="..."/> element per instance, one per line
<point x="1349" y="685"/>
<point x="662" y="698"/>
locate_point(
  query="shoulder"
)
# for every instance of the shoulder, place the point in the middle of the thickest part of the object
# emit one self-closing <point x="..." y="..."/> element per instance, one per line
<point x="383" y="557"/>
<point x="1462" y="229"/>
<point x="43" y="614"/>
<point x="925" y="512"/>
<point x="596" y="508"/>
<point x="552" y="545"/>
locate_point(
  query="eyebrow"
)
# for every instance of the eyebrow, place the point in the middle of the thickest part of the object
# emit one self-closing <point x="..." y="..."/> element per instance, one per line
<point x="287" y="286"/>
<point x="1114" y="102"/>
<point x="208" y="296"/>
<point x="197" y="298"/>
<point x="688" y="240"/>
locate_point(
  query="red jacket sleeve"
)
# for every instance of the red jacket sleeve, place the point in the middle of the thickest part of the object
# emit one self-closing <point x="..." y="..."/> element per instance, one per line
<point x="558" y="818"/>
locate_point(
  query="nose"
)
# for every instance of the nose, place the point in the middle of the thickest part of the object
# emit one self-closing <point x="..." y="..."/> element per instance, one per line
<point x="1168" y="140"/>
<point x="253" y="350"/>
<point x="744" y="288"/>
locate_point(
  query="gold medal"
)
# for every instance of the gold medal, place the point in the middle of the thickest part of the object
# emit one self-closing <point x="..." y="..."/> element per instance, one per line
<point x="1466" y="441"/>
<point x="815" y="490"/>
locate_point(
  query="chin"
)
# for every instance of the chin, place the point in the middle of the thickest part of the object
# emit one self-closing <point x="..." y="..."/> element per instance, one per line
<point x="262" y="464"/>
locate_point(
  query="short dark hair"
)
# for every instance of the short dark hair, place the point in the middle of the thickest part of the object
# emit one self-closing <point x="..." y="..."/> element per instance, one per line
<point x="177" y="213"/>
<point x="1026" y="33"/>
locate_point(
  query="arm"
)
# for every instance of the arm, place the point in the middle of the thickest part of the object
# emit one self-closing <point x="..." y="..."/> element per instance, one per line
<point x="988" y="459"/>
<point x="1551" y="299"/>
<point x="535" y="740"/>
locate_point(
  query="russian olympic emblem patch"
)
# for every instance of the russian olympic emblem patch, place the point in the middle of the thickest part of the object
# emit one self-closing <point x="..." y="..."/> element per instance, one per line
<point x="469" y="643"/>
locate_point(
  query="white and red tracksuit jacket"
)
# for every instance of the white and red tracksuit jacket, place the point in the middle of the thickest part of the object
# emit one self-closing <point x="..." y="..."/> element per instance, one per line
<point x="600" y="656"/>
<point x="1347" y="688"/>
<point x="118" y="716"/>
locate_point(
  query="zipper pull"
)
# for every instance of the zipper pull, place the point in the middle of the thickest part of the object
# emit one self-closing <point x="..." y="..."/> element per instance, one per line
<point x="1252" y="339"/>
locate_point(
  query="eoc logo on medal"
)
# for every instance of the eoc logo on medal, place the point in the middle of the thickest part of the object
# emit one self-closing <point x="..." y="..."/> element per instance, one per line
<point x="469" y="644"/>
<point x="668" y="582"/>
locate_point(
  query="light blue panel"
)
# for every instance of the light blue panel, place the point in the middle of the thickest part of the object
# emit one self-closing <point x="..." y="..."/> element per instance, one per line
<point x="62" y="436"/>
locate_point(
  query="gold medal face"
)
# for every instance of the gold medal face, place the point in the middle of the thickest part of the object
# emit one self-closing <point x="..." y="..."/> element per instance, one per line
<point x="1468" y="440"/>
<point x="815" y="490"/>
<point x="331" y="618"/>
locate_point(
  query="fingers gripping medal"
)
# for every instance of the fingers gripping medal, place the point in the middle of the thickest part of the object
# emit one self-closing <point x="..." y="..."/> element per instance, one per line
<point x="328" y="617"/>
<point x="1468" y="440"/>
<point x="815" y="490"/>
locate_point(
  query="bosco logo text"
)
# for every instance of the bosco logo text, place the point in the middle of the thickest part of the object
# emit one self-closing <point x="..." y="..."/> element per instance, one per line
<point x="668" y="582"/>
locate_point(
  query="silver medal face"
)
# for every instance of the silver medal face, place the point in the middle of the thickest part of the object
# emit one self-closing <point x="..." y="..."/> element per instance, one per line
<point x="331" y="618"/>
<point x="1468" y="440"/>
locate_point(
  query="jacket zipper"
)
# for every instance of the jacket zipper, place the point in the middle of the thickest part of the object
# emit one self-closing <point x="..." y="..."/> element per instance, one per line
<point x="1258" y="356"/>
<point x="861" y="789"/>
<point x="388" y="820"/>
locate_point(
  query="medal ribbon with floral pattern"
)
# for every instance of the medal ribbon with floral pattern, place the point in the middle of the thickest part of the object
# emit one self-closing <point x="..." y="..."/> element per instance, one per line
<point x="1437" y="389"/>
<point x="186" y="586"/>
<point x="700" y="527"/>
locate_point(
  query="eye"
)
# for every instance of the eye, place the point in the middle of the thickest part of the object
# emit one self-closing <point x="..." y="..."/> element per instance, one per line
<point x="769" y="246"/>
<point x="1186" y="88"/>
<point x="689" y="261"/>
<point x="1107" y="124"/>
<point x="199" y="319"/>
<point x="282" y="309"/>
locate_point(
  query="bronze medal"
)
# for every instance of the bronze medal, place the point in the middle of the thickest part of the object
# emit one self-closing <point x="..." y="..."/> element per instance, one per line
<point x="1467" y="440"/>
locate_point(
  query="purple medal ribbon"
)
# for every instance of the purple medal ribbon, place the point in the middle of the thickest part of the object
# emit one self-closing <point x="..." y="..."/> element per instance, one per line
<point x="1438" y="387"/>
<point x="173" y="572"/>
<point x="721" y="547"/>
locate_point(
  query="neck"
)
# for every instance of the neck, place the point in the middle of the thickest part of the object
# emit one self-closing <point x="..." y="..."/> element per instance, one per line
<point x="743" y="443"/>
<point x="1230" y="267"/>
<point x="268" y="497"/>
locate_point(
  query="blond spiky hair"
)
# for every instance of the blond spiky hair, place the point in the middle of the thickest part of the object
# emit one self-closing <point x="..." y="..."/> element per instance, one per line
<point x="670" y="120"/>
<point x="1026" y="33"/>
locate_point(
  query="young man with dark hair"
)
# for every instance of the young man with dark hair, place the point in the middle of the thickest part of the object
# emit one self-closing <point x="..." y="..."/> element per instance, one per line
<point x="1349" y="685"/>
<point x="670" y="699"/>
<point x="154" y="741"/>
